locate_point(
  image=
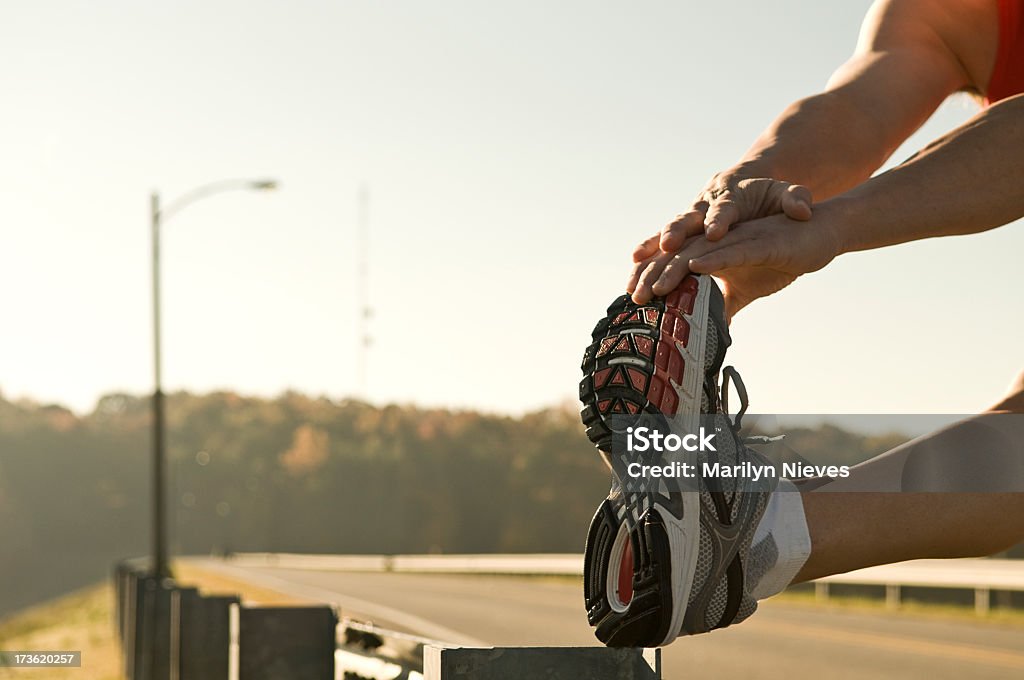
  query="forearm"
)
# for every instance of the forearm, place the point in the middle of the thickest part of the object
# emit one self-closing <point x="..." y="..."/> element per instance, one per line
<point x="824" y="142"/>
<point x="968" y="181"/>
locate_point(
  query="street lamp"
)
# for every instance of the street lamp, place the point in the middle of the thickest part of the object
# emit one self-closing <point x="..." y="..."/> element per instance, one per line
<point x="158" y="215"/>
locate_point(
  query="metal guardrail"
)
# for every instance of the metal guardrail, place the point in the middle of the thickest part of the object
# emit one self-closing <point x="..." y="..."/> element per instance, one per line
<point x="981" y="575"/>
<point x="374" y="653"/>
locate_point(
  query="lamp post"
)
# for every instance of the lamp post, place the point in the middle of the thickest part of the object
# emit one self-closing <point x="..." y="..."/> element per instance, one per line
<point x="159" y="215"/>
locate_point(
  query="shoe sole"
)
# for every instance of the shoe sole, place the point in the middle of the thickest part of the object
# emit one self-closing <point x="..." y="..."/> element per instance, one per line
<point x="639" y="352"/>
<point x="645" y="359"/>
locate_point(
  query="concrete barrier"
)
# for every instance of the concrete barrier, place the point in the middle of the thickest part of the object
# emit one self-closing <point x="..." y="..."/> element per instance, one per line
<point x="369" y="652"/>
<point x="151" y="629"/>
<point x="127" y="593"/>
<point x="550" y="663"/>
<point x="297" y="643"/>
<point x="121" y="572"/>
<point x="202" y="625"/>
<point x="129" y="606"/>
<point x="169" y="632"/>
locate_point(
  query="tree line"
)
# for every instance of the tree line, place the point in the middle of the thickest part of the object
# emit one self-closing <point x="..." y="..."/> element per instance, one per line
<point x="296" y="474"/>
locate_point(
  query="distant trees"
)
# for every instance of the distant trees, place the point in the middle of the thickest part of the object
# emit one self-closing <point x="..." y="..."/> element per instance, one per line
<point x="297" y="473"/>
<point x="292" y="473"/>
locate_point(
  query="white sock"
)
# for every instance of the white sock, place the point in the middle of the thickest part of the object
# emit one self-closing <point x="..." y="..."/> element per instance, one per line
<point x="781" y="543"/>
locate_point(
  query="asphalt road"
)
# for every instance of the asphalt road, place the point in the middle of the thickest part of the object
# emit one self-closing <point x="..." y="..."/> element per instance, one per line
<point x="782" y="640"/>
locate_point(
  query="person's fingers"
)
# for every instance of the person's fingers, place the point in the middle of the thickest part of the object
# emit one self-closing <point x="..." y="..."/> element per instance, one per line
<point x="677" y="268"/>
<point x="682" y="227"/>
<point x="644" y="287"/>
<point x="796" y="202"/>
<point x="672" y="275"/>
<point x="745" y="253"/>
<point x="646" y="249"/>
<point x="723" y="213"/>
<point x="634" y="275"/>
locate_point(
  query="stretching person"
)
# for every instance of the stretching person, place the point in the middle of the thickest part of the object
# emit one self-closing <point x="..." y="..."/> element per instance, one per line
<point x="663" y="565"/>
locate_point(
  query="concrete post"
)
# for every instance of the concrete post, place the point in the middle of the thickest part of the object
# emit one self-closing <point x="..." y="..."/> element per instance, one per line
<point x="204" y="635"/>
<point x="550" y="663"/>
<point x="982" y="601"/>
<point x="892" y="597"/>
<point x="154" y="629"/>
<point x="821" y="591"/>
<point x="297" y="643"/>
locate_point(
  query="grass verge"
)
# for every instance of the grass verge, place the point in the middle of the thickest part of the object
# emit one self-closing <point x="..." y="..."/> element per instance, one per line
<point x="82" y="620"/>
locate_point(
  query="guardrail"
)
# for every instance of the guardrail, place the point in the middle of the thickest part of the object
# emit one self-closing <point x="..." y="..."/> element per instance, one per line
<point x="982" y="575"/>
<point x="366" y="651"/>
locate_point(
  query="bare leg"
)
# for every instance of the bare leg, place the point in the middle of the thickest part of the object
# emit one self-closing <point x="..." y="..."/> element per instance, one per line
<point x="975" y="471"/>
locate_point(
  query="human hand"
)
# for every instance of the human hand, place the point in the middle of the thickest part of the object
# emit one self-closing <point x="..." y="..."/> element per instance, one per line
<point x="761" y="257"/>
<point x="727" y="199"/>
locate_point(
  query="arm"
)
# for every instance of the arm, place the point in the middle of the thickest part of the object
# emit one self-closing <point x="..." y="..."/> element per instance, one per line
<point x="910" y="56"/>
<point x="903" y="67"/>
<point x="965" y="182"/>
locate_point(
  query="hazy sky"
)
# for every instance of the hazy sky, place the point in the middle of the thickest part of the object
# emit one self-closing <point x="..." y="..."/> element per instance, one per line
<point x="514" y="153"/>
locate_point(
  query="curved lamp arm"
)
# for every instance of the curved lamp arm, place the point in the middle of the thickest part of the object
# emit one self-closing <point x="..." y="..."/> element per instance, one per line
<point x="218" y="187"/>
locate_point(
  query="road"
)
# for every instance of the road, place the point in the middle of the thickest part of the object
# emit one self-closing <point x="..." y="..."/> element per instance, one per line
<point x="782" y="640"/>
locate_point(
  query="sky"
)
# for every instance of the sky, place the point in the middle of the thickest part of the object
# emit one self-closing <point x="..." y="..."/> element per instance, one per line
<point x="514" y="153"/>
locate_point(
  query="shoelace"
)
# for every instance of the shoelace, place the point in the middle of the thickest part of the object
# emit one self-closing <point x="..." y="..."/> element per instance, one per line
<point x="731" y="375"/>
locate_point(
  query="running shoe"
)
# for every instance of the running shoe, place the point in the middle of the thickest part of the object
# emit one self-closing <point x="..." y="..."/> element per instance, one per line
<point x="667" y="559"/>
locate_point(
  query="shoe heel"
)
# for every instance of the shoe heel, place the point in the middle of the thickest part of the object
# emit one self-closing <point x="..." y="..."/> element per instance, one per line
<point x="645" y="619"/>
<point x="603" y="529"/>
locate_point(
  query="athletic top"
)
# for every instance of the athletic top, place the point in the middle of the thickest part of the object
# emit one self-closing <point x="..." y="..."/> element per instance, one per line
<point x="1008" y="74"/>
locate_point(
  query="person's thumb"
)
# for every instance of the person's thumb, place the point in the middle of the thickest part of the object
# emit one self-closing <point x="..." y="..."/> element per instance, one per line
<point x="796" y="202"/>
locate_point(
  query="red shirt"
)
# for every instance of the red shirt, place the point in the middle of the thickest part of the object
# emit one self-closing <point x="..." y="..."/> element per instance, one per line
<point x="1008" y="74"/>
